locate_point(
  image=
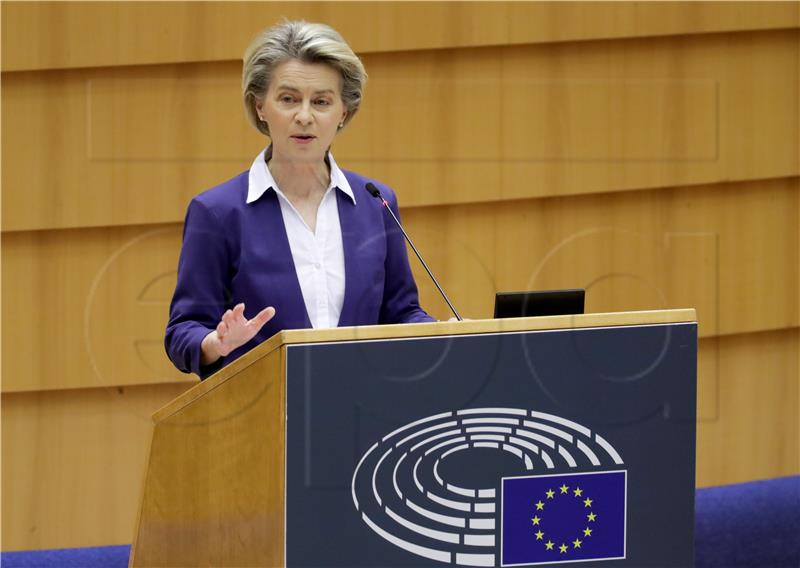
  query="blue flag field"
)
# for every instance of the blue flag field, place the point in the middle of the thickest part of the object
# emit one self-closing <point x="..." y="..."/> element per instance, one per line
<point x="563" y="518"/>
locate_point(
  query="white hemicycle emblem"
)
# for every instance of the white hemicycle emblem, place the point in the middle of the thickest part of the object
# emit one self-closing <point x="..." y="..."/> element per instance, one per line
<point x="400" y="491"/>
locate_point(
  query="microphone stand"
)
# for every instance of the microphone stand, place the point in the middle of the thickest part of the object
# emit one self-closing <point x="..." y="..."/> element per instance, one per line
<point x="375" y="193"/>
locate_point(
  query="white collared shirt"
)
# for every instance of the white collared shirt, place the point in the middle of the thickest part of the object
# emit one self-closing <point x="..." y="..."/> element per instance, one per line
<point x="318" y="256"/>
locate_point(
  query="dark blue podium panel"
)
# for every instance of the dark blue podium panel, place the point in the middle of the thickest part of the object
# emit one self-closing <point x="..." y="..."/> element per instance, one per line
<point x="512" y="449"/>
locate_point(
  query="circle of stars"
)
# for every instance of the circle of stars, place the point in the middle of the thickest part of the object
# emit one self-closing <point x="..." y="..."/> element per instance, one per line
<point x="540" y="505"/>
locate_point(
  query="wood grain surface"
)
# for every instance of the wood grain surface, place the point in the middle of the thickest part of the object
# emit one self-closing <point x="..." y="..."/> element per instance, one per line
<point x="55" y="35"/>
<point x="132" y="145"/>
<point x="229" y="446"/>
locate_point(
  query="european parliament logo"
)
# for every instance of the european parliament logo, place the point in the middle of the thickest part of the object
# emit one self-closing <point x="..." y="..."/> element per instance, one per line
<point x="484" y="487"/>
<point x="563" y="518"/>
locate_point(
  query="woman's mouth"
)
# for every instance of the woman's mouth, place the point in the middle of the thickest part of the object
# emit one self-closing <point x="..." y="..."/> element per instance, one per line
<point x="302" y="138"/>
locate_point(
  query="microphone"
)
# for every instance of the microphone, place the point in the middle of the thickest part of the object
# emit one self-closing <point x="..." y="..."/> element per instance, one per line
<point x="375" y="193"/>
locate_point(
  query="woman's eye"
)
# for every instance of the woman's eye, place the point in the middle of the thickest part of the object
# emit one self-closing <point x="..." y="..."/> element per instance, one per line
<point x="287" y="99"/>
<point x="323" y="102"/>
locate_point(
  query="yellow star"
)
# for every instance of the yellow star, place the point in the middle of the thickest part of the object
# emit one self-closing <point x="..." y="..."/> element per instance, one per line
<point x="549" y="545"/>
<point x="539" y="535"/>
<point x="536" y="520"/>
<point x="576" y="543"/>
<point x="550" y="493"/>
<point x="578" y="492"/>
<point x="587" y="502"/>
<point x="564" y="488"/>
<point x="562" y="548"/>
<point x="591" y="517"/>
<point x="587" y="532"/>
<point x="539" y="505"/>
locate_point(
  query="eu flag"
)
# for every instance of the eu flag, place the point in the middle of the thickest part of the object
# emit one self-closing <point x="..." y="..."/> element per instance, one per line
<point x="563" y="518"/>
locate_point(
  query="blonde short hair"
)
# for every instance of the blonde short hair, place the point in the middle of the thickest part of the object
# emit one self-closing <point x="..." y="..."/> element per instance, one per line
<point x="306" y="42"/>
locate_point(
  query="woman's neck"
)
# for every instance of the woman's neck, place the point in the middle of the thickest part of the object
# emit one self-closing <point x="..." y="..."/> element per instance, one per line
<point x="299" y="179"/>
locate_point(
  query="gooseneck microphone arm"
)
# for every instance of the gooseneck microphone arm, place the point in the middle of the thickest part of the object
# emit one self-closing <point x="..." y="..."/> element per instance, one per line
<point x="375" y="193"/>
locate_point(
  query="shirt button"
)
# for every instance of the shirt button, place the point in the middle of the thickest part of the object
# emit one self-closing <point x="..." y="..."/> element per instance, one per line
<point x="317" y="265"/>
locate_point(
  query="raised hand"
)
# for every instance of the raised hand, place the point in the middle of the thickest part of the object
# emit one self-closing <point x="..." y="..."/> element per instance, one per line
<point x="233" y="331"/>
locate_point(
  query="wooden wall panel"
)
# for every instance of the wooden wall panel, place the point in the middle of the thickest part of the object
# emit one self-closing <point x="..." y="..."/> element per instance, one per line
<point x="748" y="407"/>
<point x="479" y="116"/>
<point x="73" y="462"/>
<point x="714" y="248"/>
<point x="504" y="109"/>
<point x="55" y="35"/>
<point x="64" y="178"/>
<point x="101" y="300"/>
<point x="132" y="145"/>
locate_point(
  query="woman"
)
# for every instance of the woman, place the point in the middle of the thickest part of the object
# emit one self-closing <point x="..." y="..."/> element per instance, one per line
<point x="295" y="242"/>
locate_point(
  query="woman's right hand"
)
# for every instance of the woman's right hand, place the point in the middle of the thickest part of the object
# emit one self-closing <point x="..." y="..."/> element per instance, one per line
<point x="233" y="331"/>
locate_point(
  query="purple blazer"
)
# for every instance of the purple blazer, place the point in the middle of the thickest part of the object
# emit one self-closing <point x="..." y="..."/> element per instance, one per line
<point x="238" y="252"/>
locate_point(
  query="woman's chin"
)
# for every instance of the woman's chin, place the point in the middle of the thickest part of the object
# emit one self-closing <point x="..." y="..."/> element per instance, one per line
<point x="300" y="153"/>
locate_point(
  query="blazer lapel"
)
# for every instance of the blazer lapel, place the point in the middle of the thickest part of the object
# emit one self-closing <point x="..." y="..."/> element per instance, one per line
<point x="293" y="302"/>
<point x="348" y="221"/>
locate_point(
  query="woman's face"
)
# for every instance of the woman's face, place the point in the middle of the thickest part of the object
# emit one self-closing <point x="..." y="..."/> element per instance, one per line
<point x="303" y="108"/>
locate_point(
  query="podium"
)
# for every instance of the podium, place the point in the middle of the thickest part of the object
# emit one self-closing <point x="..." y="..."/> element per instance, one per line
<point x="516" y="442"/>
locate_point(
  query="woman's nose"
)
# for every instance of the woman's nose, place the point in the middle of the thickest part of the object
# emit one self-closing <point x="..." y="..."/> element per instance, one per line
<point x="303" y="115"/>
